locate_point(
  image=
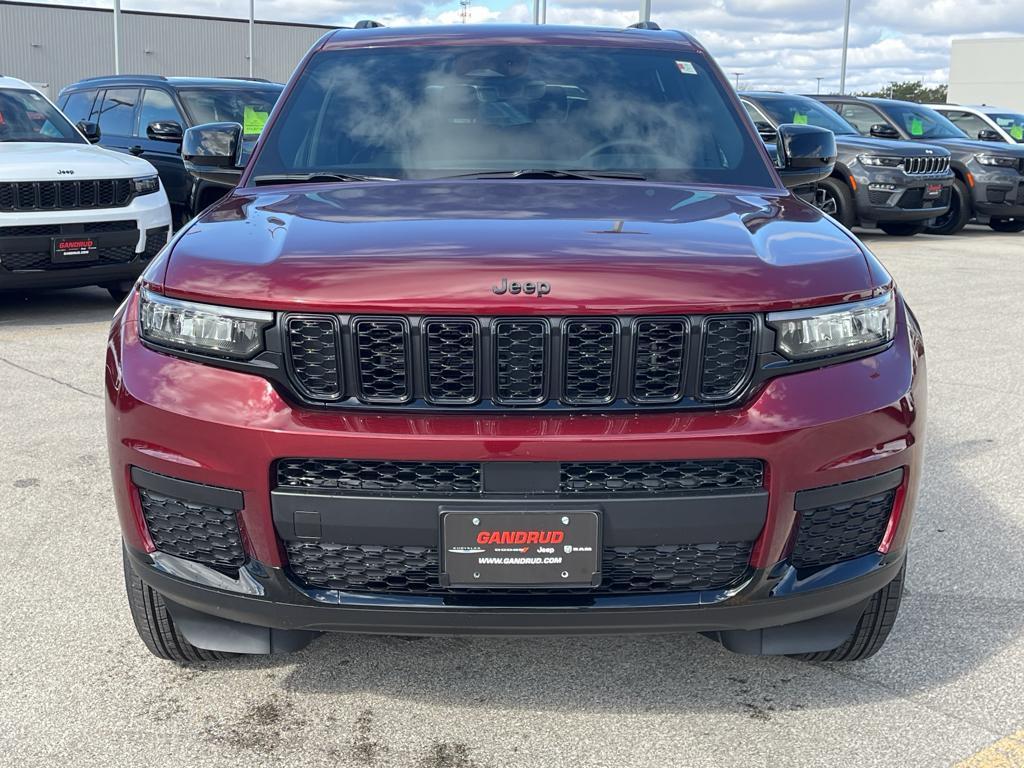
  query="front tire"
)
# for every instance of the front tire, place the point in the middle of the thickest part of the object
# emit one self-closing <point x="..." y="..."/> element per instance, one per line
<point x="959" y="213"/>
<point x="901" y="228"/>
<point x="1007" y="225"/>
<point x="841" y="195"/>
<point x="119" y="290"/>
<point x="155" y="625"/>
<point x="873" y="628"/>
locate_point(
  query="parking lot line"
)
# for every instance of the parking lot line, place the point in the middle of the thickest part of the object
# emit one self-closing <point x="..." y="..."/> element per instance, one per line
<point x="1008" y="752"/>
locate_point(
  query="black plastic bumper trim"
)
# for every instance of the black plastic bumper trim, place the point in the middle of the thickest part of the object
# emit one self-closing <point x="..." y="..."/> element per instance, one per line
<point x="210" y="495"/>
<point x="844" y="492"/>
<point x="638" y="521"/>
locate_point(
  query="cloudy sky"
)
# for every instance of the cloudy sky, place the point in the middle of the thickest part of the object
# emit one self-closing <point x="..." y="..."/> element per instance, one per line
<point x="784" y="44"/>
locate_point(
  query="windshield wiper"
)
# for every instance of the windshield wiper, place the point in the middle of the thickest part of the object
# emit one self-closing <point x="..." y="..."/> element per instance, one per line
<point x="550" y="173"/>
<point x="313" y="178"/>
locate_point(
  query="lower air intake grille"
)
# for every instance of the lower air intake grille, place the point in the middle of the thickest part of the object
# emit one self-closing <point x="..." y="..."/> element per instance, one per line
<point x="841" y="532"/>
<point x="728" y="351"/>
<point x="381" y="477"/>
<point x="655" y="477"/>
<point x="26" y="260"/>
<point x="156" y="239"/>
<point x="415" y="570"/>
<point x="191" y="531"/>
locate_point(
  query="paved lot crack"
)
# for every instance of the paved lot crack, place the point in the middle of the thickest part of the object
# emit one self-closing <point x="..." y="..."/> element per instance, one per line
<point x="50" y="378"/>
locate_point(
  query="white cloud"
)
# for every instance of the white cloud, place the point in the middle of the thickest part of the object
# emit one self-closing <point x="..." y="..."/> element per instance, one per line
<point x="784" y="44"/>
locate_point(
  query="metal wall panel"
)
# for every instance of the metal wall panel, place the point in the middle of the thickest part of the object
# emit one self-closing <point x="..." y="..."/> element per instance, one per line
<point x="58" y="45"/>
<point x="981" y="71"/>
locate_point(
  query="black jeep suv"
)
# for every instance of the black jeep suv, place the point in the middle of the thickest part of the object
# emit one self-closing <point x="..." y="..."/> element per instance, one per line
<point x="989" y="184"/>
<point x="898" y="186"/>
<point x="147" y="115"/>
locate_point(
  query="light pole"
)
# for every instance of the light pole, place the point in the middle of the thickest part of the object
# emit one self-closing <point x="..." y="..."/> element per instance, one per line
<point x="737" y="76"/>
<point x="819" y="85"/>
<point x="645" y="10"/>
<point x="846" y="45"/>
<point x="252" y="27"/>
<point x="117" y="37"/>
<point x="536" y="11"/>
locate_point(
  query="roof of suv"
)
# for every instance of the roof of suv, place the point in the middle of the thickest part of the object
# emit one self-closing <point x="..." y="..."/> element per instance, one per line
<point x="177" y="82"/>
<point x="510" y="34"/>
<point x="13" y="82"/>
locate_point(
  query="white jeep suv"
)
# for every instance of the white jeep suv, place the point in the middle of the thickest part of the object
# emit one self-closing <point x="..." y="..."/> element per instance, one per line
<point x="71" y="213"/>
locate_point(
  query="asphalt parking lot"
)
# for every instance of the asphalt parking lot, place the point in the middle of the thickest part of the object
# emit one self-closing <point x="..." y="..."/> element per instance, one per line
<point x="78" y="688"/>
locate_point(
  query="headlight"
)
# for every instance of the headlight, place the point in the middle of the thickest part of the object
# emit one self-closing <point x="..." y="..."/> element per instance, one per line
<point x="146" y="185"/>
<point x="1003" y="162"/>
<point x="202" y="328"/>
<point x="880" y="161"/>
<point x="823" y="331"/>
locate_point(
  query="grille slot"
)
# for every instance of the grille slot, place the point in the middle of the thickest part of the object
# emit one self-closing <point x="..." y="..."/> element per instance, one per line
<point x="315" y="356"/>
<point x="383" y="360"/>
<point x="415" y="570"/>
<point x="590" y="352"/>
<point x="199" y="532"/>
<point x="660" y="477"/>
<point x="521" y="351"/>
<point x="659" y="360"/>
<point x="452" y="361"/>
<point x="839" y="532"/>
<point x="64" y="195"/>
<point x="727" y="356"/>
<point x="381" y="477"/>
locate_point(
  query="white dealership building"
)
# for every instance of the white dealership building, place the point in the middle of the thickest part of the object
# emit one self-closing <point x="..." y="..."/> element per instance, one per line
<point x="987" y="71"/>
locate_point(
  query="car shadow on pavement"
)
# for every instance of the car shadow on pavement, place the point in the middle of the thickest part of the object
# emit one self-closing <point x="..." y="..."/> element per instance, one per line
<point x="947" y="628"/>
<point x="65" y="307"/>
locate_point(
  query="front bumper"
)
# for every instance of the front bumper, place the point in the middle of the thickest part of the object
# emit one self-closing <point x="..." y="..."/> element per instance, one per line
<point x="996" y="192"/>
<point x="884" y="195"/>
<point x="26" y="237"/>
<point x="217" y="427"/>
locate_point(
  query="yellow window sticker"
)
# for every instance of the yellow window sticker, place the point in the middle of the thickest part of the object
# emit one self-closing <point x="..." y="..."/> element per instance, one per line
<point x="1017" y="132"/>
<point x="253" y="121"/>
<point x="916" y="127"/>
<point x="799" y="118"/>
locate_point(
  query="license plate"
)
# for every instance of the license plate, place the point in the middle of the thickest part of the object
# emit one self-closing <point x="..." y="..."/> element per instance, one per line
<point x="932" y="191"/>
<point x="520" y="549"/>
<point x="74" y="248"/>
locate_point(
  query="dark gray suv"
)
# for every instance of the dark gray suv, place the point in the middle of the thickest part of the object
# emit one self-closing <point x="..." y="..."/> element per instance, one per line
<point x="989" y="186"/>
<point x="897" y="186"/>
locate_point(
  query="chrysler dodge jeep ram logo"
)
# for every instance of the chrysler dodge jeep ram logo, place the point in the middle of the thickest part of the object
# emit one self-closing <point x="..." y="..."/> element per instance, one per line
<point x="534" y="289"/>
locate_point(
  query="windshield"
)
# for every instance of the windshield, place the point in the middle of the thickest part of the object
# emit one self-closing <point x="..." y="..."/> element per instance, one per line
<point x="27" y="116"/>
<point x="921" y="122"/>
<point x="1011" y="122"/>
<point x="429" y="112"/>
<point x="250" y="107"/>
<point x="803" y="111"/>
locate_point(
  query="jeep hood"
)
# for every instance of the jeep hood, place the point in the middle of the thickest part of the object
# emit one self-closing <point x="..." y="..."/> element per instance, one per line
<point x="421" y="247"/>
<point x="51" y="161"/>
<point x="872" y="146"/>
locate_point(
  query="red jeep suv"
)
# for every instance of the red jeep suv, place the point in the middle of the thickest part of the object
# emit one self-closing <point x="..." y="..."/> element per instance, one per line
<point x="514" y="330"/>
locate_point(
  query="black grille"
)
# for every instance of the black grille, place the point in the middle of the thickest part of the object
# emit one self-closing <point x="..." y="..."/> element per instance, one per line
<point x="728" y="352"/>
<point x="314" y="355"/>
<point x="567" y="362"/>
<point x="656" y="477"/>
<point x="381" y="477"/>
<point x="521" y="354"/>
<point x="415" y="570"/>
<point x="451" y="358"/>
<point x="881" y="197"/>
<point x="198" y="532"/>
<point x="590" y="351"/>
<point x="841" y="532"/>
<point x="156" y="239"/>
<point x="925" y="165"/>
<point x="659" y="360"/>
<point x="383" y="360"/>
<point x="26" y="260"/>
<point x="88" y="228"/>
<point x="64" y="195"/>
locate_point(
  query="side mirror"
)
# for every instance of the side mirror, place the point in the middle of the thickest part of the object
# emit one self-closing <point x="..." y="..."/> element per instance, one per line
<point x="765" y="130"/>
<point x="164" y="130"/>
<point x="987" y="134"/>
<point x="884" y="131"/>
<point x="90" y="130"/>
<point x="211" y="146"/>
<point x="807" y="154"/>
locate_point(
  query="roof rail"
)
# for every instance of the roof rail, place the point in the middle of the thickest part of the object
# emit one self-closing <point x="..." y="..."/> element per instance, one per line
<point x="644" y="25"/>
<point x="248" y="79"/>
<point x="126" y="77"/>
<point x="368" y="24"/>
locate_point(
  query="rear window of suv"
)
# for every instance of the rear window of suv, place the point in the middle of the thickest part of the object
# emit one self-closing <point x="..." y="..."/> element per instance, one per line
<point x="435" y="111"/>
